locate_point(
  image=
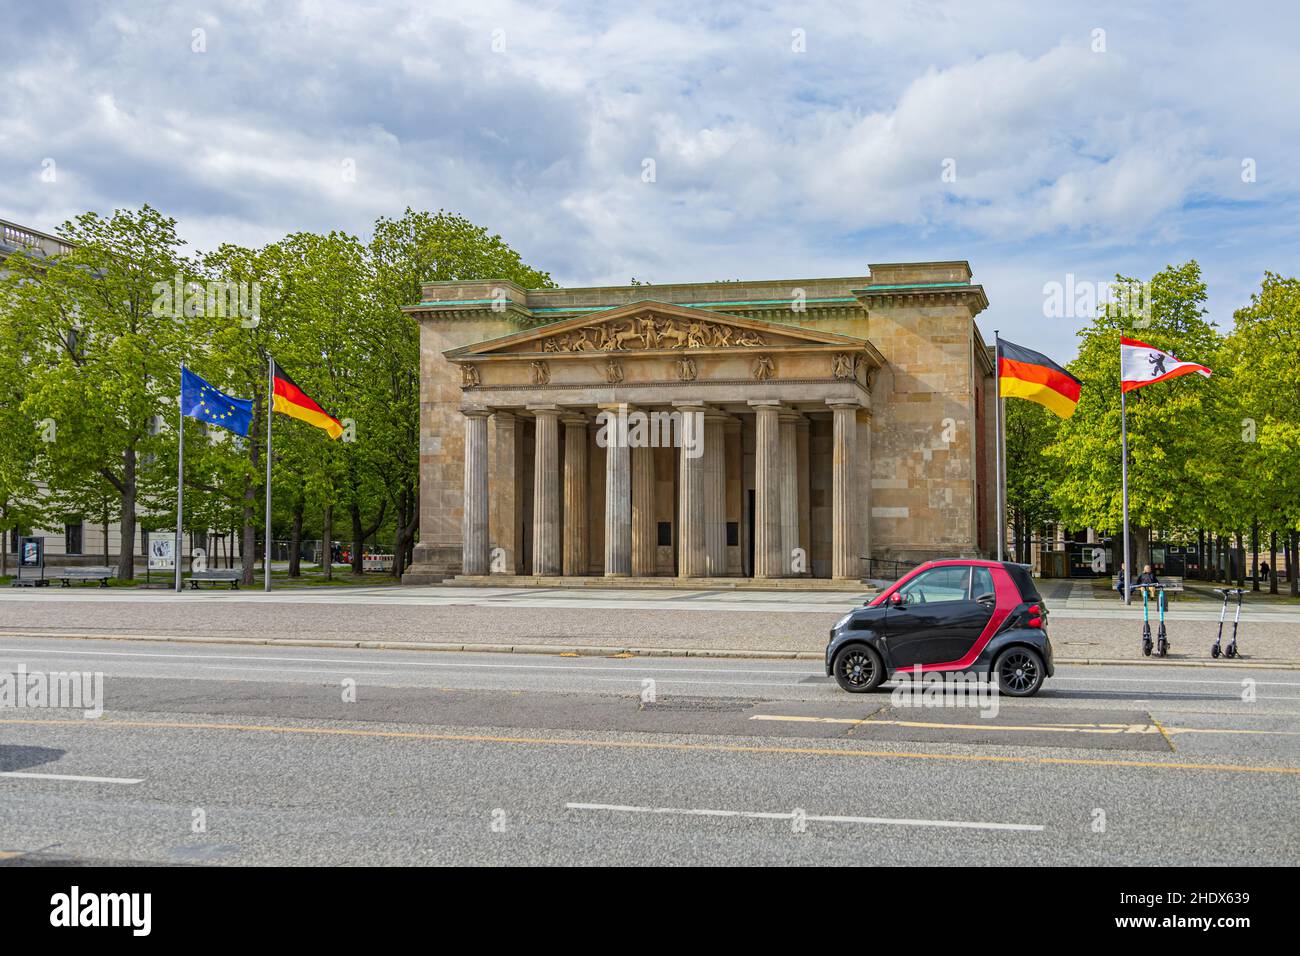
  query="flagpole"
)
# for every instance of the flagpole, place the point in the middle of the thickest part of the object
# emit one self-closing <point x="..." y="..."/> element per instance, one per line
<point x="180" y="478"/>
<point x="997" y="452"/>
<point x="270" y="409"/>
<point x="1125" y="570"/>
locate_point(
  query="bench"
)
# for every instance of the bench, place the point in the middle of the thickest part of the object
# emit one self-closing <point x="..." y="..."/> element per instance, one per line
<point x="216" y="577"/>
<point x="68" y="575"/>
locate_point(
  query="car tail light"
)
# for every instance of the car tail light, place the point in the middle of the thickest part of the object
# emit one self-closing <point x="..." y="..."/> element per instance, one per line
<point x="1036" y="614"/>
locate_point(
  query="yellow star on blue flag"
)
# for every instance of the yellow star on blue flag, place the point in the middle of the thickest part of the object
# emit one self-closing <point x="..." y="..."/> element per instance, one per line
<point x="209" y="404"/>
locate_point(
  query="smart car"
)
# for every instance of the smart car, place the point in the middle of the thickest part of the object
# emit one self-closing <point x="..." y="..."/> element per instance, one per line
<point x="947" y="615"/>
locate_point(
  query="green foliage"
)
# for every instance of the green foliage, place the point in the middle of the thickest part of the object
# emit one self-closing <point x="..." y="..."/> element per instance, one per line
<point x="94" y="341"/>
<point x="1172" y="427"/>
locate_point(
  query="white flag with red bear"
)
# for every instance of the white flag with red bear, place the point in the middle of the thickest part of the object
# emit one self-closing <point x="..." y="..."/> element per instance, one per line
<point x="1141" y="364"/>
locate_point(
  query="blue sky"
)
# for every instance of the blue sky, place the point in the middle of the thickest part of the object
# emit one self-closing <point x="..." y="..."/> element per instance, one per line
<point x="786" y="142"/>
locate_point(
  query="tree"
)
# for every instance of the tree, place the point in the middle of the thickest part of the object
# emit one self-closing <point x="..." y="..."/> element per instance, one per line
<point x="1175" y="428"/>
<point x="1030" y="429"/>
<point x="405" y="253"/>
<point x="103" y="353"/>
<point x="1264" y="352"/>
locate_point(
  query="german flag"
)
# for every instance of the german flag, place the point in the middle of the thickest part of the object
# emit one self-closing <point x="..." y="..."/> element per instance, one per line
<point x="1024" y="373"/>
<point x="291" y="400"/>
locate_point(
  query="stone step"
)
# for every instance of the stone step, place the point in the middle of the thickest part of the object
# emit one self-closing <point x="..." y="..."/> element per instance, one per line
<point x="688" y="584"/>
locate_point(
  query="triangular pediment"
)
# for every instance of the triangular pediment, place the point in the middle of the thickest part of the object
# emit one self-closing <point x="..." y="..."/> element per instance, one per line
<point x="649" y="326"/>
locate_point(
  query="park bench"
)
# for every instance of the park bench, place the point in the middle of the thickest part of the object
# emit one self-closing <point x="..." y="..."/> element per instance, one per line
<point x="68" y="575"/>
<point x="216" y="577"/>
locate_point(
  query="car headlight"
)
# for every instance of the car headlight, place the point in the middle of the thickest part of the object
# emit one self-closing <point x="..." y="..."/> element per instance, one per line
<point x="844" y="620"/>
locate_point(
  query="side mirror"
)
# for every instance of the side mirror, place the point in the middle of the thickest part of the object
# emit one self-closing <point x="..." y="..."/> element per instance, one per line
<point x="896" y="599"/>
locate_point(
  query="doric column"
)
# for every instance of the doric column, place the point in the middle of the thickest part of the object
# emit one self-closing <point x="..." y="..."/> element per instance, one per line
<point x="804" y="459"/>
<point x="645" y="539"/>
<point x="476" y="491"/>
<point x="575" y="495"/>
<point x="547" y="533"/>
<point x="767" y="490"/>
<point x="503" y="514"/>
<point x="789" y="489"/>
<point x="690" y="488"/>
<point x="844" y="458"/>
<point x="618" y="497"/>
<point x="715" y="495"/>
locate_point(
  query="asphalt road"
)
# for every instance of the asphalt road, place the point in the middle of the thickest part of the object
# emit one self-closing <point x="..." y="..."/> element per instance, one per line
<point x="456" y="758"/>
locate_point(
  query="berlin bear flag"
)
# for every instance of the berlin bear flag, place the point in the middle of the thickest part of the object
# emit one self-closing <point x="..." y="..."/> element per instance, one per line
<point x="1140" y="365"/>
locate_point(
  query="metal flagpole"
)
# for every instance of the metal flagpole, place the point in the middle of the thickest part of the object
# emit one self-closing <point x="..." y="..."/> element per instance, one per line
<point x="270" y="409"/>
<point x="1126" y="571"/>
<point x="997" y="452"/>
<point x="180" y="480"/>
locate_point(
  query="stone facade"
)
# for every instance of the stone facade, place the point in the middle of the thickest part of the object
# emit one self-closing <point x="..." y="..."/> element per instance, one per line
<point x="825" y="422"/>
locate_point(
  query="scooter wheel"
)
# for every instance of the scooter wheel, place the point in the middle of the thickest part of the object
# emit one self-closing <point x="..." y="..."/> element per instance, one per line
<point x="1162" y="648"/>
<point x="1232" y="652"/>
<point x="1214" y="651"/>
<point x="1146" y="648"/>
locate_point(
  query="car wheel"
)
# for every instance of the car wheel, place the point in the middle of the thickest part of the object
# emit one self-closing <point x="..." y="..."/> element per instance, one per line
<point x="858" y="669"/>
<point x="1020" y="672"/>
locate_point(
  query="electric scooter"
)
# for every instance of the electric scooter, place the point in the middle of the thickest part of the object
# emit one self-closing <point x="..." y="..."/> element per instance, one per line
<point x="1231" y="649"/>
<point x="1162" y="637"/>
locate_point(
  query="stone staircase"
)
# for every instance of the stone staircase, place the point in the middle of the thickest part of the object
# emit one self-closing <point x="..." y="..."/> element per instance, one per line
<point x="681" y="584"/>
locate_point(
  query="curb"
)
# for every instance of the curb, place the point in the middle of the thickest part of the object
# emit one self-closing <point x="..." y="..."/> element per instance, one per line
<point x="595" y="650"/>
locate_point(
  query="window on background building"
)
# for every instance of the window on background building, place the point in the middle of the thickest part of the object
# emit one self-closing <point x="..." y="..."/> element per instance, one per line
<point x="72" y="536"/>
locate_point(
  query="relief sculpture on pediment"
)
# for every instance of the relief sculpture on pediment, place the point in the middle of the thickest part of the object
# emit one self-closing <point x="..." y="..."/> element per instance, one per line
<point x="651" y="332"/>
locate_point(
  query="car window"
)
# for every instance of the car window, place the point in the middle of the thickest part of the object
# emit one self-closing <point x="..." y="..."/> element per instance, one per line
<point x="1024" y="582"/>
<point x="937" y="584"/>
<point x="981" y="582"/>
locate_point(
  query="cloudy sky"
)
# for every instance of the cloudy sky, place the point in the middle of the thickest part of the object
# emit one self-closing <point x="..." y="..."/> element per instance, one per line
<point x="686" y="141"/>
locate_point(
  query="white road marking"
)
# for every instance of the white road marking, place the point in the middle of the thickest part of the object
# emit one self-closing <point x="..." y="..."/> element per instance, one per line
<point x="70" y="777"/>
<point x="580" y="664"/>
<point x="809" y="817"/>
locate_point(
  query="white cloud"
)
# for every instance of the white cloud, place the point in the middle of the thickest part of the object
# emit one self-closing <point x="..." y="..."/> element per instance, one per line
<point x="768" y="161"/>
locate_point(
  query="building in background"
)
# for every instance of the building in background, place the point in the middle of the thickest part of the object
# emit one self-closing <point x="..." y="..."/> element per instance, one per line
<point x="845" y="422"/>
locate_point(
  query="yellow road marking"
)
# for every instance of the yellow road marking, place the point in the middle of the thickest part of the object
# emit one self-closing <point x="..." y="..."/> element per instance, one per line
<point x="1164" y="733"/>
<point x="1153" y="728"/>
<point x="649" y="745"/>
<point x="9" y="854"/>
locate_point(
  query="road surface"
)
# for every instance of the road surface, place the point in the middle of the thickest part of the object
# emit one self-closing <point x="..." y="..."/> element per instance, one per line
<point x="219" y="754"/>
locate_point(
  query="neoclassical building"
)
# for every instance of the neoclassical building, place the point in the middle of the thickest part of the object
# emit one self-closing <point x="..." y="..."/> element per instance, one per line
<point x="838" y="420"/>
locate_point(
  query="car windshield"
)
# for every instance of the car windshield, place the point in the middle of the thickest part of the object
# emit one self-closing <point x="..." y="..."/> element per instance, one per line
<point x="937" y="584"/>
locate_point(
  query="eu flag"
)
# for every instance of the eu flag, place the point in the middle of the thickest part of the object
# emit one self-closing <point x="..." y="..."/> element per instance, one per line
<point x="208" y="404"/>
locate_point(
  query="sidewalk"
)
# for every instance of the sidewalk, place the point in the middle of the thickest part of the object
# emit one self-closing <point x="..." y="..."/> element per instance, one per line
<point x="750" y="623"/>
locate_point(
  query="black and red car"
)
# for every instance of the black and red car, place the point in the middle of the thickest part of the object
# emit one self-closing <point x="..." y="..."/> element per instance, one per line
<point x="985" y="617"/>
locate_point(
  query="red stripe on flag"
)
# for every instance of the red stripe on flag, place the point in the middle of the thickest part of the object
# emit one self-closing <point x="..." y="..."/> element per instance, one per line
<point x="1040" y="375"/>
<point x="293" y="394"/>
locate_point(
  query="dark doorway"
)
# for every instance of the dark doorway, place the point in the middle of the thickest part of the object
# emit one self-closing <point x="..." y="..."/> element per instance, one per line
<point x="749" y="543"/>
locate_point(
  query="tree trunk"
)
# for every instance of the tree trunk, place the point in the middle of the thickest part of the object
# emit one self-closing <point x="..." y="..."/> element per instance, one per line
<point x="1272" y="562"/>
<point x="248" y="545"/>
<point x="295" y="540"/>
<point x="1239" y="561"/>
<point x="1292" y="578"/>
<point x="358" y="539"/>
<point x="327" y="545"/>
<point x="408" y="519"/>
<point x="1254" y="555"/>
<point x="126" y="548"/>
